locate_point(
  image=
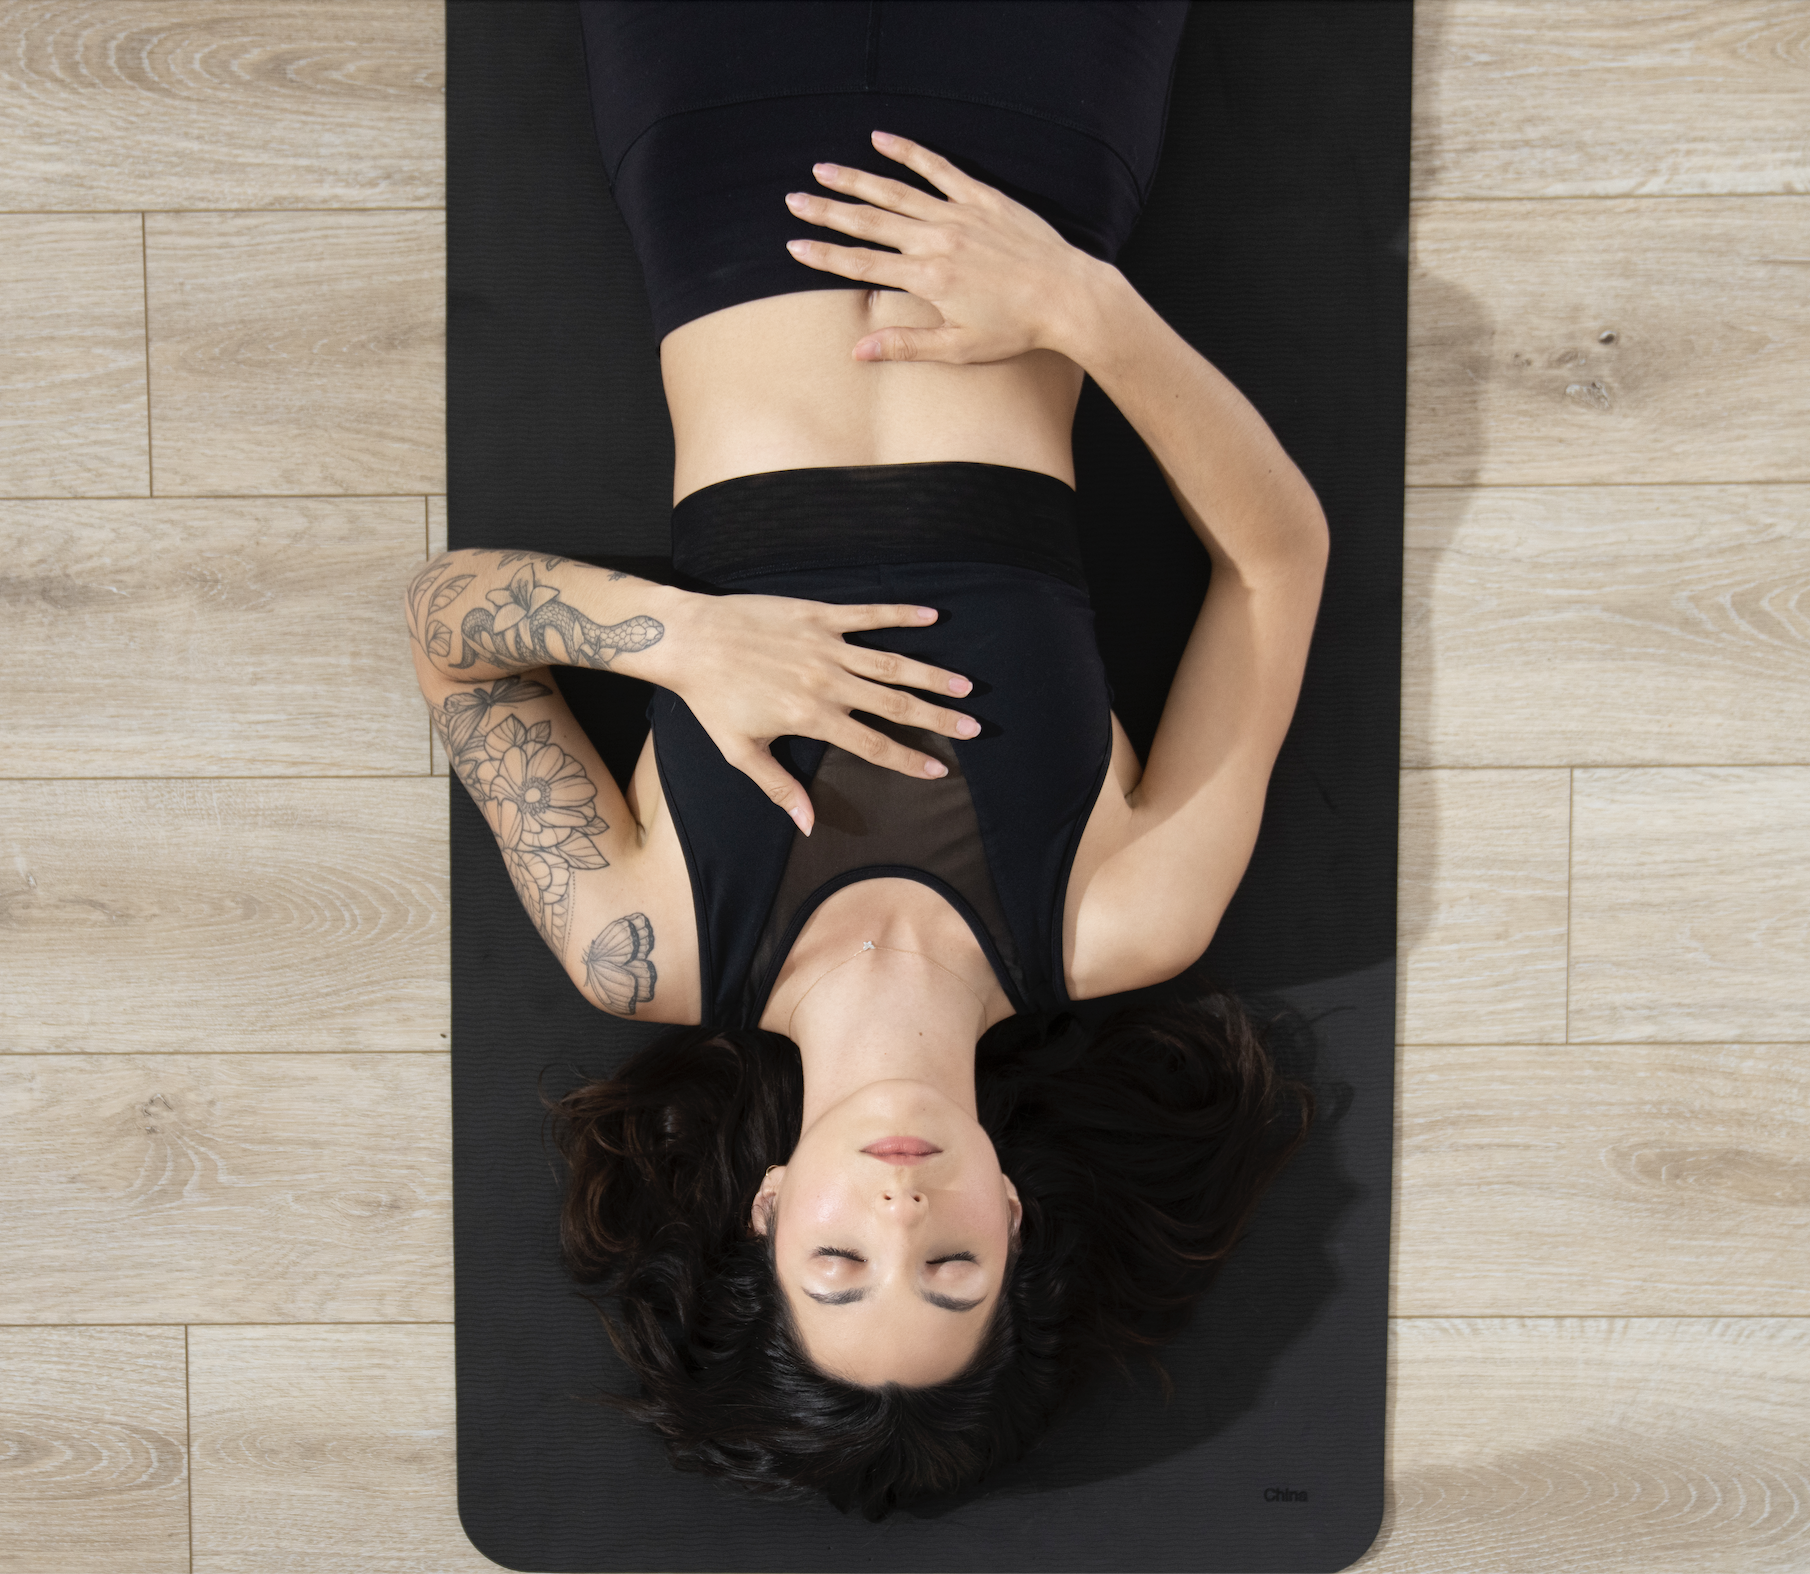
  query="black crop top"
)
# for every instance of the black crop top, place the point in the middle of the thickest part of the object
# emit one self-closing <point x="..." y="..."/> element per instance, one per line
<point x="708" y="113"/>
<point x="995" y="550"/>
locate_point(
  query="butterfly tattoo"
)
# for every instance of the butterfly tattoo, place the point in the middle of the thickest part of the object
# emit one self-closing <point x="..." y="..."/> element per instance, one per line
<point x="616" y="966"/>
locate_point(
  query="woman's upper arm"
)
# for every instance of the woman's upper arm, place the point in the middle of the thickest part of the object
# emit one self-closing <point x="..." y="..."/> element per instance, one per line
<point x="572" y="848"/>
<point x="1156" y="897"/>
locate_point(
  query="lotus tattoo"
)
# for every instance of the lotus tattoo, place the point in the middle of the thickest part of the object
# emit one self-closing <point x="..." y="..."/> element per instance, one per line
<point x="527" y="621"/>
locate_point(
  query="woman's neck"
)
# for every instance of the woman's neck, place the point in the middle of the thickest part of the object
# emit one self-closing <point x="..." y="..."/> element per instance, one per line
<point x="887" y="1016"/>
<point x="910" y="1007"/>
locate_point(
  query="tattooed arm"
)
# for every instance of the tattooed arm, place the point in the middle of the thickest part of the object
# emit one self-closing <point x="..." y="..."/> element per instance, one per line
<point x="751" y="668"/>
<point x="480" y="615"/>
<point x="567" y="838"/>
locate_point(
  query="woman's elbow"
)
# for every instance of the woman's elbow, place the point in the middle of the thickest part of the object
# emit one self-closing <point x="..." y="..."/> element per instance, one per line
<point x="1308" y="541"/>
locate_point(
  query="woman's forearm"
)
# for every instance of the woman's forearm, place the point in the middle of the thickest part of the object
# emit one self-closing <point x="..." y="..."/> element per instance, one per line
<point x="752" y="668"/>
<point x="479" y="615"/>
<point x="1243" y="495"/>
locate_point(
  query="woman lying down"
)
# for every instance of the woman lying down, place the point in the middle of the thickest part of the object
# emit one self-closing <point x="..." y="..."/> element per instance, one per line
<point x="865" y="1216"/>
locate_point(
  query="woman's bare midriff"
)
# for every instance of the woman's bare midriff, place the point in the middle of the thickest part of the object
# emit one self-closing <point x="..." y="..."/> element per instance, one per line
<point x="773" y="385"/>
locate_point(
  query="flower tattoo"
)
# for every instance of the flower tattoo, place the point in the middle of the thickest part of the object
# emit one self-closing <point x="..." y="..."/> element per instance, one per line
<point x="529" y="622"/>
<point x="538" y="801"/>
<point x="526" y="621"/>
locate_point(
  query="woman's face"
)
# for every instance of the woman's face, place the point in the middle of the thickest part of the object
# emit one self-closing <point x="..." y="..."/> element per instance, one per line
<point x="891" y="1226"/>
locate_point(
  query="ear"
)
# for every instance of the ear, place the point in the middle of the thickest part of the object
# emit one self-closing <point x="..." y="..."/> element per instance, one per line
<point x="760" y="1216"/>
<point x="1014" y="1204"/>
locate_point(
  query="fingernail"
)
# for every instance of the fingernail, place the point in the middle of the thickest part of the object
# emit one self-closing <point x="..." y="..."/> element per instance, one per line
<point x="959" y="685"/>
<point x="796" y="247"/>
<point x="823" y="169"/>
<point x="925" y="614"/>
<point x="967" y="726"/>
<point x="884" y="136"/>
<point x="802" y="823"/>
<point x="935" y="768"/>
<point x="795" y="199"/>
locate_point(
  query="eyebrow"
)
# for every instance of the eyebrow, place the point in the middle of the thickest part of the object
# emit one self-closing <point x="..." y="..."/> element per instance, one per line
<point x="847" y="1297"/>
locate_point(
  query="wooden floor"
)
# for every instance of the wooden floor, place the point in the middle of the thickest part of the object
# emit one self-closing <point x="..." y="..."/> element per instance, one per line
<point x="225" y="1243"/>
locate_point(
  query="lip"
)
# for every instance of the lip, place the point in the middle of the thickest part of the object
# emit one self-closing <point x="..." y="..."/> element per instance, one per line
<point x="902" y="1150"/>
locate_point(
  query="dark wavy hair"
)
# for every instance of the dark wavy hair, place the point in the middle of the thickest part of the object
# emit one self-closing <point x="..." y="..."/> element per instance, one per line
<point x="1139" y="1153"/>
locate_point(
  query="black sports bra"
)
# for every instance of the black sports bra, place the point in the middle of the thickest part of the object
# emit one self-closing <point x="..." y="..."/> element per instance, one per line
<point x="708" y="113"/>
<point x="994" y="549"/>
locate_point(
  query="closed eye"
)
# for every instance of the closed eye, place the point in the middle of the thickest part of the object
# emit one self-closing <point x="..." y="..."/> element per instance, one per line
<point x="948" y="1303"/>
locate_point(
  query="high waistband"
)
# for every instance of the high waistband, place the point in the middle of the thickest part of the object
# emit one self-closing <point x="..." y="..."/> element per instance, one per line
<point x="949" y="511"/>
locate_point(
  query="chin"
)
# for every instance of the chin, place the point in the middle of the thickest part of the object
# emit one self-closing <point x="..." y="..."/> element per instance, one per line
<point x="903" y="1097"/>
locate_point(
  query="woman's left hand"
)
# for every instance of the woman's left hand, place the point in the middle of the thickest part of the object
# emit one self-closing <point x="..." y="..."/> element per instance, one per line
<point x="1003" y="279"/>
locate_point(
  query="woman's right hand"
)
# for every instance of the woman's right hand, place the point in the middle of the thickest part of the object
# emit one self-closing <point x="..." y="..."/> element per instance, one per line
<point x="755" y="668"/>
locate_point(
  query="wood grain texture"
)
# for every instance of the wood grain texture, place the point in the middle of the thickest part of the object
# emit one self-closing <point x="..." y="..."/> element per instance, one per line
<point x="1598" y="1446"/>
<point x="218" y="1188"/>
<point x="230" y="915"/>
<point x="93" y="1451"/>
<point x="297" y="352"/>
<point x="1704" y="375"/>
<point x="301" y="355"/>
<point x="436" y="543"/>
<point x="1575" y="98"/>
<point x="271" y="104"/>
<point x="213" y="637"/>
<point x="72" y="355"/>
<point x="334" y="1440"/>
<point x="1481" y="893"/>
<point x="1640" y="625"/>
<point x="1642" y="1179"/>
<point x="1690" y="905"/>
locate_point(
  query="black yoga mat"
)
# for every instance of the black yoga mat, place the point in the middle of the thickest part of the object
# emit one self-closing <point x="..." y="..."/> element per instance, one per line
<point x="1276" y="242"/>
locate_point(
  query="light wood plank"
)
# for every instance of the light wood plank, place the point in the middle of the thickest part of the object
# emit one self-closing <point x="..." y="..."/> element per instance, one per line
<point x="297" y="352"/>
<point x="1660" y="1179"/>
<point x="231" y="915"/>
<point x="1481" y="894"/>
<point x="334" y="1440"/>
<point x="1642" y="625"/>
<point x="93" y="1451"/>
<point x="212" y="637"/>
<point x="273" y="104"/>
<point x="436" y="543"/>
<point x="1598" y="1446"/>
<point x="72" y="355"/>
<point x="1690" y="905"/>
<point x="1575" y="98"/>
<point x="1706" y="376"/>
<point x="218" y="1188"/>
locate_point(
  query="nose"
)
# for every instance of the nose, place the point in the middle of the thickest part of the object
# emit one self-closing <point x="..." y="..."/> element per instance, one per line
<point x="897" y="1194"/>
